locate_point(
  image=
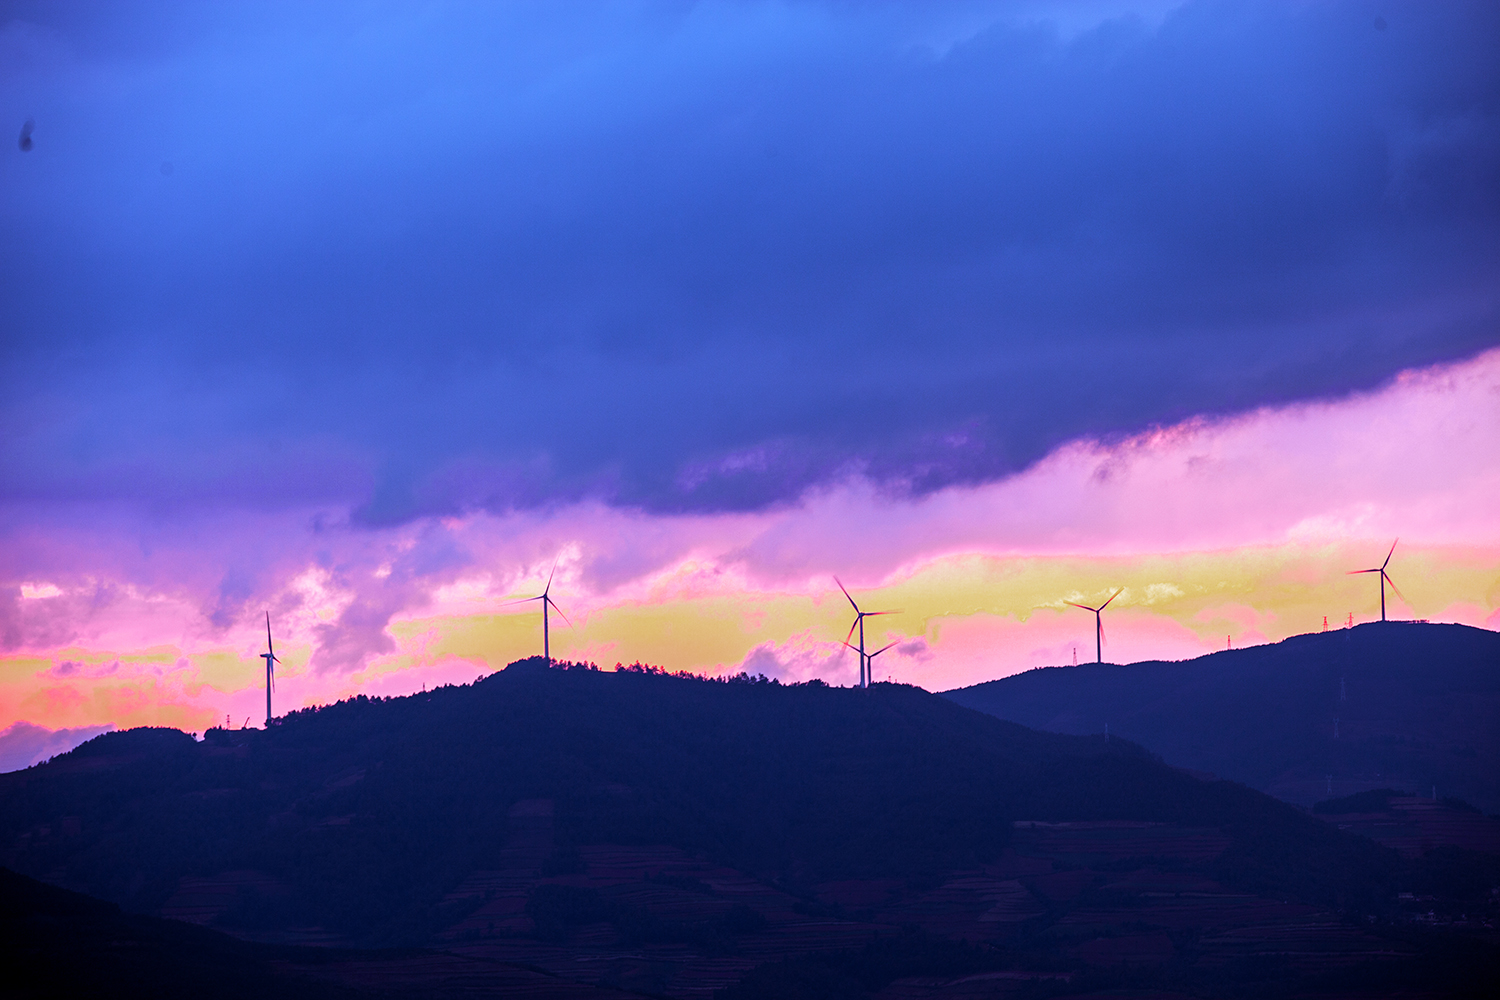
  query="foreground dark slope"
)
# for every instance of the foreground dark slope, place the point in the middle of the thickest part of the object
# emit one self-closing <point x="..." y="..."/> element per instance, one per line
<point x="60" y="944"/>
<point x="671" y="836"/>
<point x="45" y="931"/>
<point x="1419" y="707"/>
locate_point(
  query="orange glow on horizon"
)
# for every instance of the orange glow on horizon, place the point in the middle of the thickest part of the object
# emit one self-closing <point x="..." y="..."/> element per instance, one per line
<point x="1244" y="528"/>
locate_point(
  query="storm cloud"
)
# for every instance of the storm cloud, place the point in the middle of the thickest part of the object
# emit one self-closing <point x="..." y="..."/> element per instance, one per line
<point x="415" y="260"/>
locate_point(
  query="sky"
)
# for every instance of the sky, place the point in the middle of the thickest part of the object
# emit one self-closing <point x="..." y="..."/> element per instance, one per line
<point x="371" y="315"/>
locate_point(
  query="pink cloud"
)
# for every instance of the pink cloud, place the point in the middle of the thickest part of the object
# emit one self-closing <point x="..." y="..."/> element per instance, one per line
<point x="803" y="658"/>
<point x="22" y="744"/>
<point x="1279" y="498"/>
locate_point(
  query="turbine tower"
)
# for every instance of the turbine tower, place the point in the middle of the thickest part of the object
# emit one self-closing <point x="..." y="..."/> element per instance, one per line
<point x="1385" y="578"/>
<point x="271" y="660"/>
<point x="546" y="598"/>
<point x="1098" y="623"/>
<point x="859" y="623"/>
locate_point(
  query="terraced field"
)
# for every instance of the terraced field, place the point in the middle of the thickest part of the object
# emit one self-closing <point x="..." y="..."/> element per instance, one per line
<point x="1109" y="894"/>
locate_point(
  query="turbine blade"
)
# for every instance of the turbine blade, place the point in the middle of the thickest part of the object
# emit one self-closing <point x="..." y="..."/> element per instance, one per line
<point x="548" y="589"/>
<point x="1085" y="607"/>
<point x="852" y="628"/>
<point x="1111" y="598"/>
<point x="523" y="600"/>
<point x="882" y="649"/>
<point x="868" y="614"/>
<point x="1356" y="572"/>
<point x="846" y="593"/>
<point x="559" y="611"/>
<point x="1389" y="554"/>
<point x="1395" y="588"/>
<point x="268" y="631"/>
<point x="1103" y="635"/>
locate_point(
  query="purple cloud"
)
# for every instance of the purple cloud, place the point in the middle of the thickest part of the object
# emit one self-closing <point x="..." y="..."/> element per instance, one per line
<point x="23" y="744"/>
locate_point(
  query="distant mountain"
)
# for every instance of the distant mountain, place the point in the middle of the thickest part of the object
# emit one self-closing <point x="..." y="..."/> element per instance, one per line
<point x="1405" y="705"/>
<point x="674" y="836"/>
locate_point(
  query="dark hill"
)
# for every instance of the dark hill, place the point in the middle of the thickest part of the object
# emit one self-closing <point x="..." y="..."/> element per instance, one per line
<point x="670" y="835"/>
<point x="44" y="931"/>
<point x="1417" y="706"/>
<point x="60" y="944"/>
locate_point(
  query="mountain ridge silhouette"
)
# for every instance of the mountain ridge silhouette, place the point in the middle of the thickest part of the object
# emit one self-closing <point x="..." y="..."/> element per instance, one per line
<point x="1417" y="705"/>
<point x="671" y="836"/>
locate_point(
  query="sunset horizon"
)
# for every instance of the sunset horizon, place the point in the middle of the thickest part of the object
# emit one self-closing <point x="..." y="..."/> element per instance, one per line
<point x="981" y="574"/>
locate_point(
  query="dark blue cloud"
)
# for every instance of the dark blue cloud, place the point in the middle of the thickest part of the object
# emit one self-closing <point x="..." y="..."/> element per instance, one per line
<point x="422" y="259"/>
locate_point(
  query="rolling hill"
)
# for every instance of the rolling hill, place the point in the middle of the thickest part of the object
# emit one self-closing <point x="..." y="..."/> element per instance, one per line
<point x="1404" y="705"/>
<point x="680" y="837"/>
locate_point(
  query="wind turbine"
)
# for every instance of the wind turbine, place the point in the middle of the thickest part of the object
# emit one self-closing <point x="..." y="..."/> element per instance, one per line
<point x="271" y="660"/>
<point x="546" y="598"/>
<point x="1385" y="578"/>
<point x="1098" y="623"/>
<point x="859" y="623"/>
<point x="869" y="658"/>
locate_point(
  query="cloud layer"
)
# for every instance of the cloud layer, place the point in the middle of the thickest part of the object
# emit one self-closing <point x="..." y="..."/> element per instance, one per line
<point x="426" y="261"/>
<point x="22" y="744"/>
<point x="1233" y="530"/>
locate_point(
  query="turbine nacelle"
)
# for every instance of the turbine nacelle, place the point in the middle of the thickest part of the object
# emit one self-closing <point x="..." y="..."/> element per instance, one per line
<point x="547" y="602"/>
<point x="271" y="660"/>
<point x="1098" y="622"/>
<point x="869" y="658"/>
<point x="1385" y="578"/>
